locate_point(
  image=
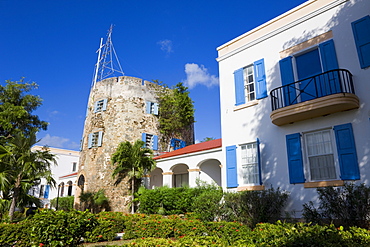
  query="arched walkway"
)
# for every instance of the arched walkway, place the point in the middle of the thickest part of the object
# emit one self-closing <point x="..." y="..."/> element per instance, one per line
<point x="210" y="171"/>
<point x="156" y="178"/>
<point x="180" y="176"/>
<point x="69" y="183"/>
<point x="81" y="183"/>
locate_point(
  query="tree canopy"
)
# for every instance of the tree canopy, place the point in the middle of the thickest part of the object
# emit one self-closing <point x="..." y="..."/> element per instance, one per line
<point x="133" y="161"/>
<point x="16" y="107"/>
<point x="176" y="111"/>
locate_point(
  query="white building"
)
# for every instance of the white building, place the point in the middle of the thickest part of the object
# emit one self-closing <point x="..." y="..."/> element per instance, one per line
<point x="295" y="103"/>
<point x="65" y="175"/>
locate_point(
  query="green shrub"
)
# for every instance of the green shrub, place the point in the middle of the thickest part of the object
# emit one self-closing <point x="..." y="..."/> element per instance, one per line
<point x="105" y="230"/>
<point x="206" y="203"/>
<point x="64" y="203"/>
<point x="15" y="234"/>
<point x="252" y="207"/>
<point x="348" y="206"/>
<point x="60" y="228"/>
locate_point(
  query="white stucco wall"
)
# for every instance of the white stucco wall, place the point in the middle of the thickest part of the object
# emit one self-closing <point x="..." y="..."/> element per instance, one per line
<point x="245" y="125"/>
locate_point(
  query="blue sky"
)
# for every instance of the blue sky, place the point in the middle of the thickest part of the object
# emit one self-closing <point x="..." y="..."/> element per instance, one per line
<point x="53" y="43"/>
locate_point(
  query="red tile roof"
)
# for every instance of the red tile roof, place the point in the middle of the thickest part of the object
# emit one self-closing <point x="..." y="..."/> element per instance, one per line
<point x="68" y="175"/>
<point x="202" y="146"/>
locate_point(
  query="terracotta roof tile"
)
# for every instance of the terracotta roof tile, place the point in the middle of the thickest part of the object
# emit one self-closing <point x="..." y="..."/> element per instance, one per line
<point x="202" y="146"/>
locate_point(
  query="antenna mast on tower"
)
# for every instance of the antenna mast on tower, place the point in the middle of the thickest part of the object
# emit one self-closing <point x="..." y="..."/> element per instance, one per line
<point x="108" y="64"/>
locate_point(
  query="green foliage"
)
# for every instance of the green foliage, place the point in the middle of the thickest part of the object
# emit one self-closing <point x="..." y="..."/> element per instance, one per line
<point x="64" y="203"/>
<point x="348" y="206"/>
<point x="176" y="114"/>
<point x="132" y="161"/>
<point x="206" y="203"/>
<point x="251" y="207"/>
<point x="16" y="107"/>
<point x="21" y="168"/>
<point x="94" y="201"/>
<point x="60" y="228"/>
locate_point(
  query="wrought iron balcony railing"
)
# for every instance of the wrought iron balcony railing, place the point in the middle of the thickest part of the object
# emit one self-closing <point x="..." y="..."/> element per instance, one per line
<point x="327" y="83"/>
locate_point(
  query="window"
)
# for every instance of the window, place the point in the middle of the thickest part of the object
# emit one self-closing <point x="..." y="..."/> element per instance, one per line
<point x="177" y="143"/>
<point x="181" y="180"/>
<point x="319" y="150"/>
<point x="100" y="105"/>
<point x="250" y="83"/>
<point x="95" y="139"/>
<point x="249" y="163"/>
<point x="69" y="188"/>
<point x="151" y="108"/>
<point x="151" y="141"/>
<point x="314" y="61"/>
<point x="320" y="159"/>
<point x="361" y="33"/>
<point x="74" y="166"/>
<point x="248" y="171"/>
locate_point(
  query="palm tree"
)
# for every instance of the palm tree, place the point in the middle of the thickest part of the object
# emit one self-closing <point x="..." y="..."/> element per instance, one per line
<point x="133" y="161"/>
<point x="21" y="168"/>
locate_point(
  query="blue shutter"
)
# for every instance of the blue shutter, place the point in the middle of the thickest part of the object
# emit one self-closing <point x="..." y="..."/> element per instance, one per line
<point x="172" y="144"/>
<point x="260" y="78"/>
<point x="100" y="138"/>
<point x="287" y="77"/>
<point x="148" y="107"/>
<point x="155" y="142"/>
<point x="182" y="144"/>
<point x="330" y="83"/>
<point x="143" y="137"/>
<point x="259" y="161"/>
<point x="46" y="193"/>
<point x="231" y="168"/>
<point x="328" y="55"/>
<point x="361" y="33"/>
<point x="95" y="106"/>
<point x="105" y="101"/>
<point x="347" y="155"/>
<point x="239" y="87"/>
<point x="295" y="161"/>
<point x="155" y="108"/>
<point x="89" y="141"/>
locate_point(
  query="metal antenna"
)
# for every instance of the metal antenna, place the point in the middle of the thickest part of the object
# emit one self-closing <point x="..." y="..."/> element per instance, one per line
<point x="108" y="64"/>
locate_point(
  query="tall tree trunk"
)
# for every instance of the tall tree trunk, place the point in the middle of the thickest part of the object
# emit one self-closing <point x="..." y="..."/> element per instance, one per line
<point x="133" y="191"/>
<point x="16" y="191"/>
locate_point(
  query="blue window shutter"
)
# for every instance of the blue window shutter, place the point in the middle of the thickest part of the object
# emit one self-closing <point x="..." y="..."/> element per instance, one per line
<point x="231" y="168"/>
<point x="172" y="144"/>
<point x="100" y="138"/>
<point x="259" y="161"/>
<point x="182" y="144"/>
<point x="361" y="33"/>
<point x="95" y="106"/>
<point x="295" y="161"/>
<point x="46" y="193"/>
<point x="239" y="87"/>
<point x="148" y="107"/>
<point x="328" y="55"/>
<point x="155" y="142"/>
<point x="287" y="77"/>
<point x="347" y="152"/>
<point x="143" y="138"/>
<point x="105" y="101"/>
<point x="155" y="108"/>
<point x="260" y="79"/>
<point x="89" y="141"/>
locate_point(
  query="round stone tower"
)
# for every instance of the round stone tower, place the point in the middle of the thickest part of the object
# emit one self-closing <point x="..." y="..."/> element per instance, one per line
<point x="119" y="109"/>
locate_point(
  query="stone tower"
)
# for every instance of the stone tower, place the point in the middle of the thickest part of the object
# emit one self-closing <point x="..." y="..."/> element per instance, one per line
<point x="119" y="109"/>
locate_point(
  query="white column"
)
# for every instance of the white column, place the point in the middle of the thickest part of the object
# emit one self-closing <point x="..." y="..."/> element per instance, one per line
<point x="167" y="179"/>
<point x="193" y="176"/>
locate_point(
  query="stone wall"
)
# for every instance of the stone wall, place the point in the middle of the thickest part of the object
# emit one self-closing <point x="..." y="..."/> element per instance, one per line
<point x="124" y="119"/>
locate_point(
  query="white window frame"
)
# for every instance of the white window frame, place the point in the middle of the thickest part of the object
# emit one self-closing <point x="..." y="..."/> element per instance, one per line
<point x="332" y="152"/>
<point x="245" y="161"/>
<point x="249" y="95"/>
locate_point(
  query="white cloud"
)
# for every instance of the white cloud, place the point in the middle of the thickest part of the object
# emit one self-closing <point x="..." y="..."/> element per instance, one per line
<point x="196" y="75"/>
<point x="53" y="141"/>
<point x="166" y="45"/>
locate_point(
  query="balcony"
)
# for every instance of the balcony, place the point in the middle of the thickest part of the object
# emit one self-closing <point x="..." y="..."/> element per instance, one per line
<point x="316" y="96"/>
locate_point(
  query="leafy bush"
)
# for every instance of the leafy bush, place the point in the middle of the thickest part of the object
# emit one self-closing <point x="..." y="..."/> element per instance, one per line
<point x="206" y="203"/>
<point x="348" y="206"/>
<point x="60" y="228"/>
<point x="64" y="203"/>
<point x="94" y="201"/>
<point x="252" y="207"/>
<point x="15" y="234"/>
